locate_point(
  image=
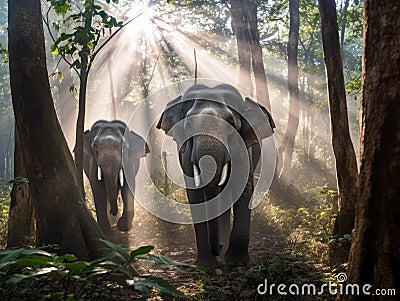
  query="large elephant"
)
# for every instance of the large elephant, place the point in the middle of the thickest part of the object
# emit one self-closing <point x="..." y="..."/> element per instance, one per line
<point x="104" y="146"/>
<point x="207" y="122"/>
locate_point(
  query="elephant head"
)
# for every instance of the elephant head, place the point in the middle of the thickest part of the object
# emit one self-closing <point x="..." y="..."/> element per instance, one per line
<point x="228" y="111"/>
<point x="103" y="150"/>
<point x="206" y="120"/>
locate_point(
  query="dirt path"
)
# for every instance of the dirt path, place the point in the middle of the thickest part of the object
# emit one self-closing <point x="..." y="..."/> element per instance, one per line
<point x="178" y="241"/>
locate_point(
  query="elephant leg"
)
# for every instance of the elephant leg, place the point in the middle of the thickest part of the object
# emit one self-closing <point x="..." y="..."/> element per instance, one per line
<point x="125" y="221"/>
<point x="100" y="202"/>
<point x="238" y="250"/>
<point x="225" y="229"/>
<point x="112" y="218"/>
<point x="204" y="257"/>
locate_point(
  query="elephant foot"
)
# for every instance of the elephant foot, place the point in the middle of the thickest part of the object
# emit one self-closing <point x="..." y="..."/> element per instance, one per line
<point x="207" y="261"/>
<point x="233" y="259"/>
<point x="123" y="225"/>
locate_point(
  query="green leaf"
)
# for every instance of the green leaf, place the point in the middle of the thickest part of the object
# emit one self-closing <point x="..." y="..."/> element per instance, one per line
<point x="164" y="260"/>
<point x="142" y="288"/>
<point x="34" y="260"/>
<point x="67" y="257"/>
<point x="158" y="283"/>
<point x="140" y="251"/>
<point x="60" y="77"/>
<point x="61" y="9"/>
<point x="116" y="250"/>
<point x="77" y="267"/>
<point x="33" y="273"/>
<point x="54" y="49"/>
<point x="347" y="236"/>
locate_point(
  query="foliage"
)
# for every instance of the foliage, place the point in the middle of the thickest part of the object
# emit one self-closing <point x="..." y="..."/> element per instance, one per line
<point x="81" y="25"/>
<point x="4" y="53"/>
<point x="4" y="208"/>
<point x="17" y="265"/>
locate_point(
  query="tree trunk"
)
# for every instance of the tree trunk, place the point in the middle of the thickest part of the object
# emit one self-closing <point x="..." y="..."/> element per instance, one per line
<point x="287" y="147"/>
<point x="239" y="27"/>
<point x="346" y="164"/>
<point x="61" y="215"/>
<point x="374" y="256"/>
<point x="20" y="218"/>
<point x="83" y="79"/>
<point x="256" y="54"/>
<point x="80" y="125"/>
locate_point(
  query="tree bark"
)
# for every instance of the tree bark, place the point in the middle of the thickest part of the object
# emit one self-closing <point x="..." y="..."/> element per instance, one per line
<point x="374" y="256"/>
<point x="239" y="26"/>
<point x="346" y="164"/>
<point x="256" y="54"/>
<point x="287" y="147"/>
<point x="83" y="80"/>
<point x="61" y="215"/>
<point x="20" y="218"/>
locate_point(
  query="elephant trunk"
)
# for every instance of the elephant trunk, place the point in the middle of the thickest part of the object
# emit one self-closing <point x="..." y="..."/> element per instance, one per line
<point x="111" y="181"/>
<point x="210" y="161"/>
<point x="211" y="170"/>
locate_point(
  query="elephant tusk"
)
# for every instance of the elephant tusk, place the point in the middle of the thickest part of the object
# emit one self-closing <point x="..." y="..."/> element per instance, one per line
<point x="98" y="173"/>
<point x="224" y="175"/>
<point x="121" y="177"/>
<point x="196" y="175"/>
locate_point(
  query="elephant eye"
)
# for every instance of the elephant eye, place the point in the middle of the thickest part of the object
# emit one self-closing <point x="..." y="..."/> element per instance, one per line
<point x="231" y="121"/>
<point x="94" y="147"/>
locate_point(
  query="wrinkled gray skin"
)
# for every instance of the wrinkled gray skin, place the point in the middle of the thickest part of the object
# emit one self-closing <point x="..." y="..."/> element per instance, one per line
<point x="253" y="123"/>
<point x="103" y="145"/>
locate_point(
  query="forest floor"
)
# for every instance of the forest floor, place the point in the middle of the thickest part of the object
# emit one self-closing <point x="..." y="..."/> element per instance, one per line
<point x="282" y="251"/>
<point x="289" y="246"/>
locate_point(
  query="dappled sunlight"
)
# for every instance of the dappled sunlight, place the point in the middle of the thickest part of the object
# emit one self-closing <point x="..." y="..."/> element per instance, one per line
<point x="152" y="52"/>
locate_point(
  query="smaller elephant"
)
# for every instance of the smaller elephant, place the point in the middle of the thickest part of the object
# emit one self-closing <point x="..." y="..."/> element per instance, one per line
<point x="105" y="144"/>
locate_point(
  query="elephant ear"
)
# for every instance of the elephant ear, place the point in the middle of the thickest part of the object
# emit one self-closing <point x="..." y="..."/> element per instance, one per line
<point x="138" y="148"/>
<point x="257" y="123"/>
<point x="174" y="112"/>
<point x="87" y="152"/>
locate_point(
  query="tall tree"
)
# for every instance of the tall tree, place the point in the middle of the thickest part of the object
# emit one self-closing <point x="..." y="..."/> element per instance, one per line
<point x="61" y="215"/>
<point x="81" y="47"/>
<point x="245" y="27"/>
<point x="256" y="53"/>
<point x="346" y="164"/>
<point x="287" y="147"/>
<point x="374" y="256"/>
<point x="239" y="26"/>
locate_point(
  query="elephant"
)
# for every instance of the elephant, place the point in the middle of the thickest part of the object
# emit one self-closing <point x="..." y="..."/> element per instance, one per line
<point x="205" y="122"/>
<point x="105" y="144"/>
